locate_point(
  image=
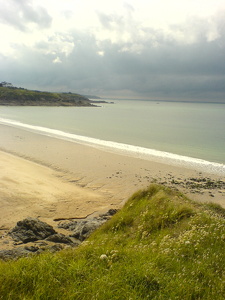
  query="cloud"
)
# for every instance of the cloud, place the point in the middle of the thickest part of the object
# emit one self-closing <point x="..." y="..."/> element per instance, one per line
<point x="58" y="44"/>
<point x="57" y="60"/>
<point x="128" y="7"/>
<point x="21" y="13"/>
<point x="119" y="55"/>
<point x="168" y="71"/>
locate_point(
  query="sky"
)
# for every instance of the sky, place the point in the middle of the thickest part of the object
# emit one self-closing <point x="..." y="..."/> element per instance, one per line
<point x="151" y="49"/>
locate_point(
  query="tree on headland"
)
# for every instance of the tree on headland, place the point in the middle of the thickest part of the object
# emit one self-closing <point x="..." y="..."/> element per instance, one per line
<point x="5" y="84"/>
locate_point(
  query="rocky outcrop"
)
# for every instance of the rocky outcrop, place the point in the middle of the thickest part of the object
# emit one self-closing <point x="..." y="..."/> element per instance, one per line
<point x="29" y="250"/>
<point x="85" y="228"/>
<point x="82" y="229"/>
<point x="32" y="236"/>
<point x="30" y="230"/>
<point x="60" y="238"/>
<point x="14" y="253"/>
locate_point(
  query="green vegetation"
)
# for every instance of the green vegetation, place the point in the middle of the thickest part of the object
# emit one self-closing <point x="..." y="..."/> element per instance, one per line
<point x="20" y="96"/>
<point x="159" y="246"/>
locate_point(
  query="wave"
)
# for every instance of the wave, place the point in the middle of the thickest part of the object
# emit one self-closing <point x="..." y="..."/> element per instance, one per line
<point x="125" y="149"/>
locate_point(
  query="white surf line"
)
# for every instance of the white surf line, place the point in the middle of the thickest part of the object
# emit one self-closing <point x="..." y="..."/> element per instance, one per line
<point x="125" y="149"/>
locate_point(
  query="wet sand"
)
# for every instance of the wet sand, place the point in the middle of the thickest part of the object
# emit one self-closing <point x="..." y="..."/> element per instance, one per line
<point x="49" y="178"/>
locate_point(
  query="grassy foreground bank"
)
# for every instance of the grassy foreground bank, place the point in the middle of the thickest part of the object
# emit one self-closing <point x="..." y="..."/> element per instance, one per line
<point x="159" y="246"/>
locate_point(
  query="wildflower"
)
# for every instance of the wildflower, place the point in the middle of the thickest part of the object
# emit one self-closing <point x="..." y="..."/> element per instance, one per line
<point x="103" y="257"/>
<point x="144" y="234"/>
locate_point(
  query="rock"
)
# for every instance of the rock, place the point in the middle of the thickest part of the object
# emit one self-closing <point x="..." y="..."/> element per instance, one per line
<point x="14" y="253"/>
<point x="43" y="234"/>
<point x="109" y="213"/>
<point x="85" y="225"/>
<point x="71" y="225"/>
<point x="112" y="211"/>
<point x="55" y="248"/>
<point x="30" y="230"/>
<point x="85" y="228"/>
<point x="26" y="251"/>
<point x="41" y="243"/>
<point x="59" y="238"/>
<point x="31" y="248"/>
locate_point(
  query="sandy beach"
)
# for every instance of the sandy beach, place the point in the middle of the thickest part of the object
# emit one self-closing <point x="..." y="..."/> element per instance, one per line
<point x="53" y="179"/>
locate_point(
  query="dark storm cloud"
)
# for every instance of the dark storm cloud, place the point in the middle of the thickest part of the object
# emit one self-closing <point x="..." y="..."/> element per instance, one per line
<point x="164" y="68"/>
<point x="20" y="13"/>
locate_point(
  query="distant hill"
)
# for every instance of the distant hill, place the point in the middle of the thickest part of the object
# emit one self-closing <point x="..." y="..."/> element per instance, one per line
<point x="13" y="96"/>
<point x="92" y="97"/>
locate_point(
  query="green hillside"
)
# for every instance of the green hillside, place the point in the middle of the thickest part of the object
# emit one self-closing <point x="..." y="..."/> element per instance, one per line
<point x="159" y="246"/>
<point x="19" y="96"/>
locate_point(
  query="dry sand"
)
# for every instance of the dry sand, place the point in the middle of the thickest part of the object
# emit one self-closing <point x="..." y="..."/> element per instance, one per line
<point x="49" y="178"/>
<point x="28" y="189"/>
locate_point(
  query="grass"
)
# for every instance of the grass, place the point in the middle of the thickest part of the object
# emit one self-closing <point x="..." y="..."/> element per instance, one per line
<point x="20" y="96"/>
<point x="160" y="245"/>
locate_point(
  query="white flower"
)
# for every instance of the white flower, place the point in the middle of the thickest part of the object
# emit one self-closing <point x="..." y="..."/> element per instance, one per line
<point x="103" y="256"/>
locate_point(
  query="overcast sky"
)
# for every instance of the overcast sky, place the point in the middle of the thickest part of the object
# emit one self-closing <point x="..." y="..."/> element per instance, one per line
<point x="155" y="49"/>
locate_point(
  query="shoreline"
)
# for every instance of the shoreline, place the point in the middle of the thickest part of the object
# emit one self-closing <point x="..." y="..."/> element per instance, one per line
<point x="164" y="157"/>
<point x="50" y="178"/>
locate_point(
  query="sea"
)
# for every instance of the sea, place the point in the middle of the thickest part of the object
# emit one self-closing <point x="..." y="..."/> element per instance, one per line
<point x="178" y="133"/>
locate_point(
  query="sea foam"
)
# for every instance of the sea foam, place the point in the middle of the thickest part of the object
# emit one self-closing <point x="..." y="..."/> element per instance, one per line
<point x="125" y="149"/>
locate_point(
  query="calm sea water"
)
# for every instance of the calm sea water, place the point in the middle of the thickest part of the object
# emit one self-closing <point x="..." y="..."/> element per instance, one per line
<point x="194" y="130"/>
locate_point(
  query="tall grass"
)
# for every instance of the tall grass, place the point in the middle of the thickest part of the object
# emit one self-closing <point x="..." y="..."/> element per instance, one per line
<point x="159" y="246"/>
